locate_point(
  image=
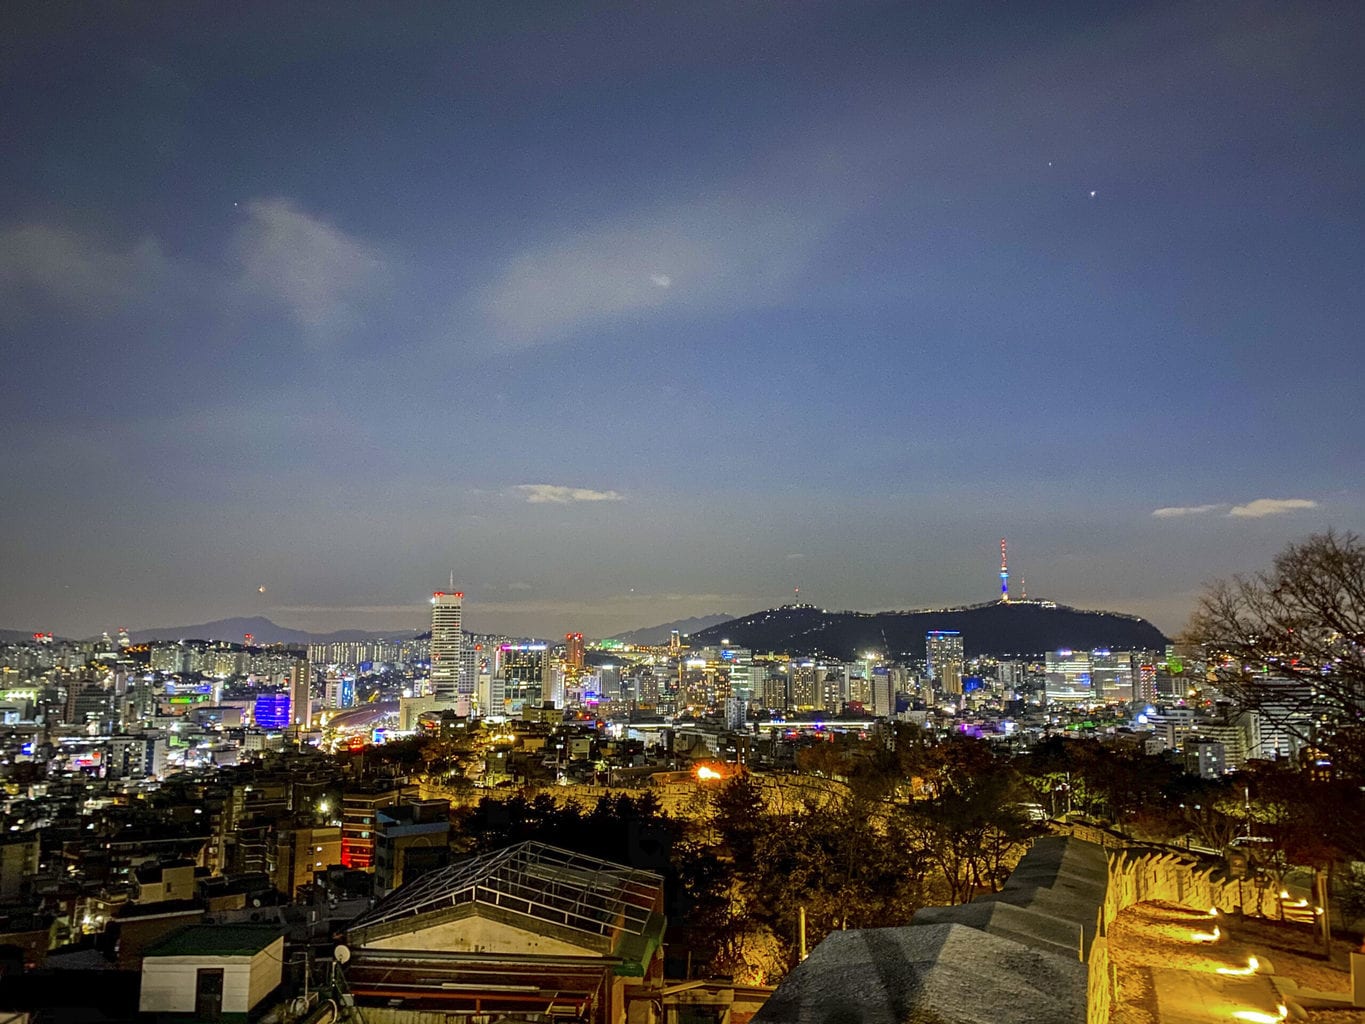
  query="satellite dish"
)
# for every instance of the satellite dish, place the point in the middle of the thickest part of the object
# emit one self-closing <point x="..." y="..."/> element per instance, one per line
<point x="342" y="954"/>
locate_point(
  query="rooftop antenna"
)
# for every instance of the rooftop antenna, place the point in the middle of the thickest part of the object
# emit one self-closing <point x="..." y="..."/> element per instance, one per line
<point x="1004" y="575"/>
<point x="452" y="579"/>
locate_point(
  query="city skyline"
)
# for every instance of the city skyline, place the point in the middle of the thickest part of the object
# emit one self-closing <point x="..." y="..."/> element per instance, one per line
<point x="630" y="316"/>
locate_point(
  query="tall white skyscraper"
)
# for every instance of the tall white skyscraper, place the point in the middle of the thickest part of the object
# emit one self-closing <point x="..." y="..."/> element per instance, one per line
<point x="447" y="642"/>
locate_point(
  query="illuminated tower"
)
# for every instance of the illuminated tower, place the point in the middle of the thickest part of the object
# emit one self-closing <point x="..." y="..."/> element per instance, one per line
<point x="1004" y="575"/>
<point x="447" y="640"/>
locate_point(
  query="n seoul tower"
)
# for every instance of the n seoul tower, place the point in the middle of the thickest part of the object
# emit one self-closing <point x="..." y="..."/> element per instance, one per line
<point x="1004" y="575"/>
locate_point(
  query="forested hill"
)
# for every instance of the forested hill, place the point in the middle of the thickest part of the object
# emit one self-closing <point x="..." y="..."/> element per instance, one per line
<point x="1022" y="628"/>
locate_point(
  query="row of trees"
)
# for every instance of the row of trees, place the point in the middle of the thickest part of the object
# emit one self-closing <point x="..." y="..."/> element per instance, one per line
<point x="738" y="871"/>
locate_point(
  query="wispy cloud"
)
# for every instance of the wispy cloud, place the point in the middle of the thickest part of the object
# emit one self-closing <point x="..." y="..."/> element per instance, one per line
<point x="319" y="274"/>
<point x="1258" y="509"/>
<point x="1262" y="507"/>
<point x="1175" y="511"/>
<point x="735" y="245"/>
<point x="44" y="264"/>
<point x="557" y="494"/>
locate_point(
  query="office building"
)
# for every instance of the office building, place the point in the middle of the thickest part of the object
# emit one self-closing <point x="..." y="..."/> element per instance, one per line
<point x="1068" y="677"/>
<point x="525" y="673"/>
<point x="447" y="642"/>
<point x="1111" y="675"/>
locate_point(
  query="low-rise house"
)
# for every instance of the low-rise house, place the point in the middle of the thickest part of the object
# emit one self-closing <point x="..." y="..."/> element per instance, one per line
<point x="212" y="973"/>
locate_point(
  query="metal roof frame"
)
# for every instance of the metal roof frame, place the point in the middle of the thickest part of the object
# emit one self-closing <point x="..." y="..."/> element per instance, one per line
<point x="545" y="883"/>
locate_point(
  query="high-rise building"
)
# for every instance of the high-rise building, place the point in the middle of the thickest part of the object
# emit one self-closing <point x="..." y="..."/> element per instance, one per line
<point x="573" y="650"/>
<point x="776" y="691"/>
<point x="525" y="671"/>
<point x="944" y="658"/>
<point x="447" y="641"/>
<point x="341" y="692"/>
<point x="1068" y="677"/>
<point x="300" y="694"/>
<point x="806" y="690"/>
<point x="883" y="691"/>
<point x="1111" y="675"/>
<point x="1144" y="678"/>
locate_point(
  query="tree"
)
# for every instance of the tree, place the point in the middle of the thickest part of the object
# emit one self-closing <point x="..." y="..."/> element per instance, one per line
<point x="973" y="827"/>
<point x="738" y="809"/>
<point x="1290" y="644"/>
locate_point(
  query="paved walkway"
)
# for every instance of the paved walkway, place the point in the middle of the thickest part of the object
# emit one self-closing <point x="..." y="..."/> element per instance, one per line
<point x="1197" y="997"/>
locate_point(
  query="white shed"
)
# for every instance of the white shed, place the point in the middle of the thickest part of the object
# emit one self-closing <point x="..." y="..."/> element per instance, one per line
<point x="212" y="972"/>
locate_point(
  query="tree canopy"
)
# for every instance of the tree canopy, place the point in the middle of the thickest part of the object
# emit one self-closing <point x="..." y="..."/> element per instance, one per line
<point x="1290" y="643"/>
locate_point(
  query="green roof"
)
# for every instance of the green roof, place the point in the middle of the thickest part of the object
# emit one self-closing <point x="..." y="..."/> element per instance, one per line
<point x="216" y="940"/>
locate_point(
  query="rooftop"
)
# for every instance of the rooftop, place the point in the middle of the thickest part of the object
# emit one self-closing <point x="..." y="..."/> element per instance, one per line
<point x="216" y="940"/>
<point x="536" y="881"/>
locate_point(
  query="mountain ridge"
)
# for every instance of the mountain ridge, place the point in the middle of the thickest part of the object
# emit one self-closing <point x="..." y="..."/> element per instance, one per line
<point x="263" y="631"/>
<point x="652" y="635"/>
<point x="1017" y="628"/>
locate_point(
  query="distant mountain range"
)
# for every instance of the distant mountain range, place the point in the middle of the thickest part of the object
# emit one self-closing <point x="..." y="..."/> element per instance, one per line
<point x="651" y="635"/>
<point x="263" y="631"/>
<point x="1020" y="628"/>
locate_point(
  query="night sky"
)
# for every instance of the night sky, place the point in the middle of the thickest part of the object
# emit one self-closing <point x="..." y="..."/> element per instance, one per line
<point x="630" y="312"/>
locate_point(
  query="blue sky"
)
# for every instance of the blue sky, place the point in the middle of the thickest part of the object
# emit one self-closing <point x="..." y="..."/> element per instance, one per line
<point x="631" y="312"/>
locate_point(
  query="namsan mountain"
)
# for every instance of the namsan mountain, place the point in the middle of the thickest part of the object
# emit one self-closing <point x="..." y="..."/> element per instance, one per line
<point x="999" y="629"/>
